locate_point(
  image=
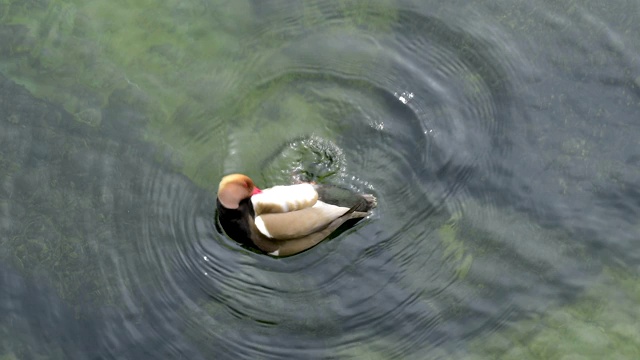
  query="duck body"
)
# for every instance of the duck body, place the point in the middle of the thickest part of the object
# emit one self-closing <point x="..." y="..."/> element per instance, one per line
<point x="285" y="220"/>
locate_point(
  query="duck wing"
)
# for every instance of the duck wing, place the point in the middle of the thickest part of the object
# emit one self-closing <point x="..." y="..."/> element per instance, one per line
<point x="299" y="223"/>
<point x="290" y="247"/>
<point x="283" y="199"/>
<point x="339" y="196"/>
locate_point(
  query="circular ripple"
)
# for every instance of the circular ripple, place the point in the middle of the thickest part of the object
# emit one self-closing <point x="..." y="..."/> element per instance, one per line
<point x="415" y="116"/>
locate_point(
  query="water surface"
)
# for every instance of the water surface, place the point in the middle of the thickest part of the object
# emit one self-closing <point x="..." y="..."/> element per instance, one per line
<point x="501" y="139"/>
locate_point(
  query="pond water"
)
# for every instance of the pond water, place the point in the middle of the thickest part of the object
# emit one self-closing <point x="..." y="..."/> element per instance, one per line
<point x="501" y="138"/>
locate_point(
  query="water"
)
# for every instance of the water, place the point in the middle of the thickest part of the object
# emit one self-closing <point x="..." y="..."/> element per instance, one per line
<point x="501" y="139"/>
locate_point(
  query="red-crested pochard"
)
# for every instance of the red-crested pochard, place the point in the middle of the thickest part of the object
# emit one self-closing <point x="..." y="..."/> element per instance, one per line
<point x="285" y="220"/>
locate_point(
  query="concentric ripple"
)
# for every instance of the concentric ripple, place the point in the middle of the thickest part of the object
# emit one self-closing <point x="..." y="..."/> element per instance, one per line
<point x="415" y="117"/>
<point x="418" y="118"/>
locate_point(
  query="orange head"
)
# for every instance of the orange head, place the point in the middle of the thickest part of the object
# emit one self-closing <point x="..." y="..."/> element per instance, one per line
<point x="235" y="188"/>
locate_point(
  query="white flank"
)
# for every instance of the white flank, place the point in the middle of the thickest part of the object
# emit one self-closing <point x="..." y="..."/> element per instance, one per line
<point x="285" y="198"/>
<point x="275" y="253"/>
<point x="261" y="226"/>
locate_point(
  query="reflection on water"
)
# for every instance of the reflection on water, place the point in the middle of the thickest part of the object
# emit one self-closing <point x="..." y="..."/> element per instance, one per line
<point x="500" y="140"/>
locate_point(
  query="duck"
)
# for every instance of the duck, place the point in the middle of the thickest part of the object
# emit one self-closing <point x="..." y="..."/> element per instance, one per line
<point x="286" y="219"/>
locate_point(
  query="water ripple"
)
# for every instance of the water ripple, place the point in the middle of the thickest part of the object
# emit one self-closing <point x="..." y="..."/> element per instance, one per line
<point x="421" y="105"/>
<point x="415" y="118"/>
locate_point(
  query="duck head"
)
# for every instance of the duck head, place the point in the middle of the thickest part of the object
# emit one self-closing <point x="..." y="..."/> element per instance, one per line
<point x="234" y="188"/>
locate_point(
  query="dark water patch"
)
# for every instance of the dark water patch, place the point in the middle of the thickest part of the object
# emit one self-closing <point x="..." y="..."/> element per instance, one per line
<point x="74" y="205"/>
<point x="76" y="339"/>
<point x="579" y="112"/>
